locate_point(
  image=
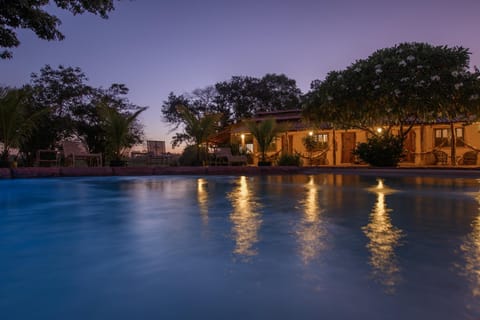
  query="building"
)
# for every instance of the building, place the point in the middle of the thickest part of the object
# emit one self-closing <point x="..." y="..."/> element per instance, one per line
<point x="425" y="144"/>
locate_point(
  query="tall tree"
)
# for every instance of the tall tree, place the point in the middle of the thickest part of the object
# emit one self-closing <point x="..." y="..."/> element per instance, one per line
<point x="119" y="130"/>
<point x="32" y="14"/>
<point x="400" y="86"/>
<point x="245" y="96"/>
<point x="73" y="104"/>
<point x="196" y="129"/>
<point x="239" y="95"/>
<point x="170" y="113"/>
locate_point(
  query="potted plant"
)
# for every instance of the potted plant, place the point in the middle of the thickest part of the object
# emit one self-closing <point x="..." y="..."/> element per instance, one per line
<point x="118" y="135"/>
<point x="264" y="132"/>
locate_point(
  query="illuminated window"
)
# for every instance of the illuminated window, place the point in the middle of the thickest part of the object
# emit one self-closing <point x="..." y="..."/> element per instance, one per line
<point x="321" y="138"/>
<point x="460" y="140"/>
<point x="443" y="137"/>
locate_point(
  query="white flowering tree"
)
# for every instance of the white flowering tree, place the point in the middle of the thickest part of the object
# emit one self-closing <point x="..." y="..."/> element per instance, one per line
<point x="398" y="86"/>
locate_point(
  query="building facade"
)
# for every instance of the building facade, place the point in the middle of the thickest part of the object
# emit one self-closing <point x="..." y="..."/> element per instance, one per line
<point x="425" y="144"/>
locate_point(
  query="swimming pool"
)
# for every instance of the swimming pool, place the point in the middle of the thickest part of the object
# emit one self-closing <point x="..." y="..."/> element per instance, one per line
<point x="224" y="247"/>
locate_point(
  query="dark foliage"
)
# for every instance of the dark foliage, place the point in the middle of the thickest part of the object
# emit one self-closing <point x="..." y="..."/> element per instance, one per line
<point x="290" y="160"/>
<point x="31" y="14"/>
<point x="381" y="150"/>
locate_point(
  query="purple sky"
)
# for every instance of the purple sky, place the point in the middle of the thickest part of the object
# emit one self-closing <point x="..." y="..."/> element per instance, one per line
<point x="156" y="47"/>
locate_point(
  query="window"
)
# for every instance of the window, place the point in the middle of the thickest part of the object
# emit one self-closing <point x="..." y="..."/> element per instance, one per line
<point x="321" y="138"/>
<point x="443" y="137"/>
<point x="460" y="140"/>
<point x="314" y="142"/>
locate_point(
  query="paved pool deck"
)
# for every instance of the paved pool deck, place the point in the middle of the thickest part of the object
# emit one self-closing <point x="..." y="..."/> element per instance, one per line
<point x="43" y="172"/>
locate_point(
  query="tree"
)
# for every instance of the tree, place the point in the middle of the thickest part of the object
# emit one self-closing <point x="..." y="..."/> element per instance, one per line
<point x="88" y="122"/>
<point x="31" y="14"/>
<point x="73" y="104"/>
<point x="196" y="129"/>
<point x="245" y="96"/>
<point x="240" y="97"/>
<point x="118" y="130"/>
<point x="398" y="86"/>
<point x="264" y="132"/>
<point x="16" y="123"/>
<point x="170" y="112"/>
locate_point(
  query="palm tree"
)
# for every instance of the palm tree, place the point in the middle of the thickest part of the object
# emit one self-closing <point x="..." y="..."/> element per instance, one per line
<point x="16" y="125"/>
<point x="264" y="132"/>
<point x="117" y="128"/>
<point x="198" y="129"/>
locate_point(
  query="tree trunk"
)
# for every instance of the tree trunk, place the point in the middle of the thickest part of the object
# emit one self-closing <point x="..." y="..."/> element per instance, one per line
<point x="334" y="144"/>
<point x="453" y="150"/>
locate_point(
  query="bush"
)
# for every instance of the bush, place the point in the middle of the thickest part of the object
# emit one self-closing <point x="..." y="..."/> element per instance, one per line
<point x="189" y="157"/>
<point x="381" y="151"/>
<point x="290" y="160"/>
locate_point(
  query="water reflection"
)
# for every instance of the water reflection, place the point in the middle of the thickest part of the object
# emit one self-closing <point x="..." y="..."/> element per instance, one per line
<point x="202" y="198"/>
<point x="245" y="217"/>
<point x="383" y="239"/>
<point x="471" y="250"/>
<point x="311" y="233"/>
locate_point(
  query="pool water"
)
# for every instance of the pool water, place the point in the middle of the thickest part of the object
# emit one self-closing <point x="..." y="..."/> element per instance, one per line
<point x="225" y="247"/>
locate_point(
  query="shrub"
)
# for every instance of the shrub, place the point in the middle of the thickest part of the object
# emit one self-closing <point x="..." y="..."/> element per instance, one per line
<point x="189" y="157"/>
<point x="290" y="160"/>
<point x="381" y="151"/>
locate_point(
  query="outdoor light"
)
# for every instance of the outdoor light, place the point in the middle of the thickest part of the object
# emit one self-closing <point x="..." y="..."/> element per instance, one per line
<point x="310" y="133"/>
<point x="379" y="130"/>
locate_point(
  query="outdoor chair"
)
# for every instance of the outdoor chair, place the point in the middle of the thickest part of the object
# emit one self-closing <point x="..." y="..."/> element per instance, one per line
<point x="469" y="158"/>
<point x="440" y="157"/>
<point x="225" y="156"/>
<point x="74" y="151"/>
<point x="319" y="158"/>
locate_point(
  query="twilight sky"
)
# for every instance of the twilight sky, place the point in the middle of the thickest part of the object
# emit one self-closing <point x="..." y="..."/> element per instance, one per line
<point x="159" y="46"/>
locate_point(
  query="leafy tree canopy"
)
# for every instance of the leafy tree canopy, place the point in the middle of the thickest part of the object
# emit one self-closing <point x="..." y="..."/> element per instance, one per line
<point x="197" y="129"/>
<point x="16" y="122"/>
<point x="245" y="96"/>
<point x="399" y="85"/>
<point x="238" y="98"/>
<point x="73" y="104"/>
<point x="31" y="14"/>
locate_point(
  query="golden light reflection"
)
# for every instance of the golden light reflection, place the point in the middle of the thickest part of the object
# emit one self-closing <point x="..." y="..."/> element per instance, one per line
<point x="311" y="232"/>
<point x="202" y="198"/>
<point x="245" y="218"/>
<point x="471" y="250"/>
<point x="383" y="239"/>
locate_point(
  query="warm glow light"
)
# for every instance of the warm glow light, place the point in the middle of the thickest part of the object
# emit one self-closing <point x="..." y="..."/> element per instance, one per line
<point x="202" y="198"/>
<point x="310" y="133"/>
<point x="246" y="220"/>
<point x="471" y="251"/>
<point x="383" y="239"/>
<point x="379" y="130"/>
<point x="242" y="136"/>
<point x="311" y="232"/>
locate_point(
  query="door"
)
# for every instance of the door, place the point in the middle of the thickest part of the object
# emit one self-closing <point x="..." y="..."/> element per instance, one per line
<point x="348" y="145"/>
<point x="287" y="144"/>
<point x="409" y="147"/>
